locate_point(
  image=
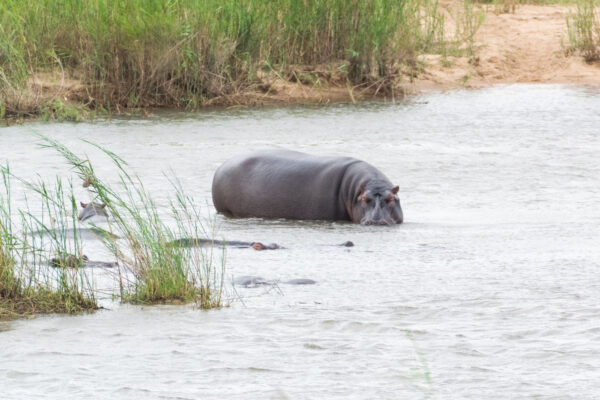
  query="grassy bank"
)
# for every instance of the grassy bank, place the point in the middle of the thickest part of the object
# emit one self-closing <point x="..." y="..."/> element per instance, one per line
<point x="61" y="58"/>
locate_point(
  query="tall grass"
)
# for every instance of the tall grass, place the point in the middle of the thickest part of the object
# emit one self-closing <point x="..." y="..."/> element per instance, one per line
<point x="41" y="254"/>
<point x="583" y="30"/>
<point x="28" y="284"/>
<point x="185" y="53"/>
<point x="143" y="240"/>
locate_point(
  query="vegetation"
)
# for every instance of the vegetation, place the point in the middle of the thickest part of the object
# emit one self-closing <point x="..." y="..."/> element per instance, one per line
<point x="28" y="285"/>
<point x="41" y="258"/>
<point x="112" y="54"/>
<point x="162" y="271"/>
<point x="583" y="28"/>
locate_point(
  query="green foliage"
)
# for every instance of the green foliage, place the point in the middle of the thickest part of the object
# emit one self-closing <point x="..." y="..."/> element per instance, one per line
<point x="163" y="272"/>
<point x="138" y="53"/>
<point x="61" y="111"/>
<point x="27" y="284"/>
<point x="41" y="257"/>
<point x="583" y="29"/>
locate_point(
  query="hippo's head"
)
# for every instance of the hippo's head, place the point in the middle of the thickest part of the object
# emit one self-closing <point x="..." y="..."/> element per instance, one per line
<point x="378" y="204"/>
<point x="91" y="210"/>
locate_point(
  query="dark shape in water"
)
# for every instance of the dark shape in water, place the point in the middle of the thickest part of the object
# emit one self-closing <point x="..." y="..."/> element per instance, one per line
<point x="196" y="242"/>
<point x="300" y="281"/>
<point x="68" y="261"/>
<point x="249" y="281"/>
<point x="72" y="261"/>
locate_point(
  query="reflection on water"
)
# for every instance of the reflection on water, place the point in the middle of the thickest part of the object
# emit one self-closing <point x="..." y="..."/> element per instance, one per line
<point x="489" y="290"/>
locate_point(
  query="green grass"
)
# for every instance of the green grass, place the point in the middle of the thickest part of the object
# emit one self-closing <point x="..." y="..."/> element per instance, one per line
<point x="583" y="29"/>
<point x="186" y="53"/>
<point x="41" y="254"/>
<point x="162" y="272"/>
<point x="28" y="284"/>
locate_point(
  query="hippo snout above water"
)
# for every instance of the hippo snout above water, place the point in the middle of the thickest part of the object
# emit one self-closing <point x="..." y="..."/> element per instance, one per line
<point x="293" y="185"/>
<point x="75" y="262"/>
<point x="92" y="209"/>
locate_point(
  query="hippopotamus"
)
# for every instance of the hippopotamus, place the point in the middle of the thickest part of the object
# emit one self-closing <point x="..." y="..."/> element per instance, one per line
<point x="72" y="261"/>
<point x="92" y="209"/>
<point x="249" y="281"/>
<point x="196" y="242"/>
<point x="293" y="185"/>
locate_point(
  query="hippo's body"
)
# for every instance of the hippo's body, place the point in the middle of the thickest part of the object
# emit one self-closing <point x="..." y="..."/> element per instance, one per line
<point x="249" y="281"/>
<point x="293" y="185"/>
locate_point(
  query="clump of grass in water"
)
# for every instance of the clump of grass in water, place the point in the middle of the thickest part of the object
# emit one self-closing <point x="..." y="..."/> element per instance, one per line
<point x="583" y="30"/>
<point x="28" y="285"/>
<point x="163" y="271"/>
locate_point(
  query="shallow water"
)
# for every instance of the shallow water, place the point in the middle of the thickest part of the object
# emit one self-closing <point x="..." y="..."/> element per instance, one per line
<point x="489" y="290"/>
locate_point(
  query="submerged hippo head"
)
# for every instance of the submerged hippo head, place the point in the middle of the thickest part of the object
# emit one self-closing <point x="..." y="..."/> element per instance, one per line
<point x="91" y="210"/>
<point x="378" y="204"/>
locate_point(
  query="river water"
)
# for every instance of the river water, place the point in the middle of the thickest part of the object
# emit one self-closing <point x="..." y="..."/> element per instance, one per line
<point x="490" y="289"/>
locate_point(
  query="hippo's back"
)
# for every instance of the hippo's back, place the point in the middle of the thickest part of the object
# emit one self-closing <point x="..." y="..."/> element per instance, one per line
<point x="281" y="184"/>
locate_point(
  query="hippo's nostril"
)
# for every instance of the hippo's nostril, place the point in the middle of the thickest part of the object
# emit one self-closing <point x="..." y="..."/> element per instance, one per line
<point x="368" y="222"/>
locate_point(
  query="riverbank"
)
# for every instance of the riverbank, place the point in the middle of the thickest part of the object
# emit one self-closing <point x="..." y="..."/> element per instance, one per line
<point x="139" y="54"/>
<point x="338" y="56"/>
<point x="527" y="46"/>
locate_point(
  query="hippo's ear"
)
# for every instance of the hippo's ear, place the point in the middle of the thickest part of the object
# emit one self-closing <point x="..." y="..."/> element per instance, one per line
<point x="361" y="192"/>
<point x="103" y="205"/>
<point x="83" y="204"/>
<point x="396" y="189"/>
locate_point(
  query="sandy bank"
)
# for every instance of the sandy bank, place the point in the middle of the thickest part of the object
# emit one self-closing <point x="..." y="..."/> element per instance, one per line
<point x="521" y="47"/>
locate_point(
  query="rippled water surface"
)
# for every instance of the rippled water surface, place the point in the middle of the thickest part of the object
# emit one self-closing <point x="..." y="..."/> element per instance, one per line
<point x="491" y="288"/>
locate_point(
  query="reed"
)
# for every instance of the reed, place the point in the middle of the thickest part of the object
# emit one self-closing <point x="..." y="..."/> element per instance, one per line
<point x="28" y="282"/>
<point x="187" y="53"/>
<point x="583" y="30"/>
<point x="143" y="240"/>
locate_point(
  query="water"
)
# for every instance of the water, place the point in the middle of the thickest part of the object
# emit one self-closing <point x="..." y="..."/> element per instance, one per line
<point x="489" y="290"/>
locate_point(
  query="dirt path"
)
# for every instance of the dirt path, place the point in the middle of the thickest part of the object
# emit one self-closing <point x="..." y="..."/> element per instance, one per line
<point x="520" y="47"/>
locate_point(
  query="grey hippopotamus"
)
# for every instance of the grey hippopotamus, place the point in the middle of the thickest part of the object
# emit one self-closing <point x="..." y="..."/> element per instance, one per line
<point x="92" y="209"/>
<point x="294" y="185"/>
<point x="197" y="242"/>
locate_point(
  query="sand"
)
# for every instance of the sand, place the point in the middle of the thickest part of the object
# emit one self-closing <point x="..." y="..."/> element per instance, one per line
<point x="521" y="47"/>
